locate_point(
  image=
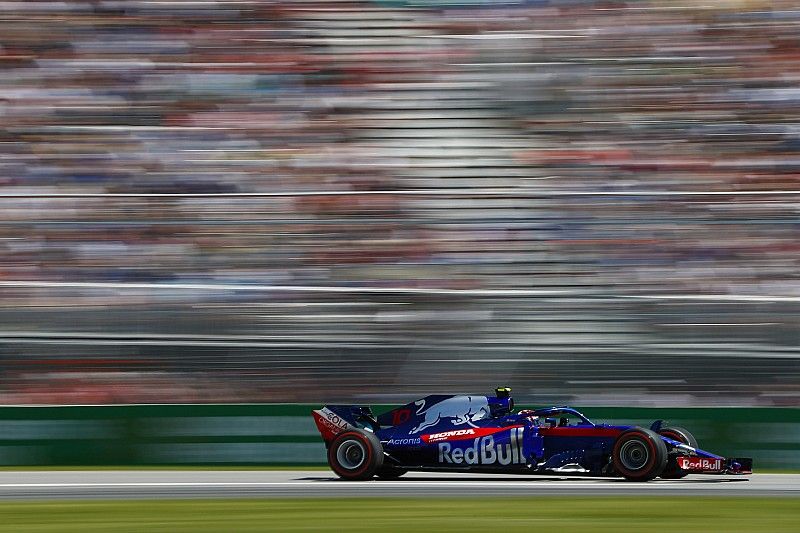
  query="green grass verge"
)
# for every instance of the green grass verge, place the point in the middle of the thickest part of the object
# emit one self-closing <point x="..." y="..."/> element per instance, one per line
<point x="585" y="514"/>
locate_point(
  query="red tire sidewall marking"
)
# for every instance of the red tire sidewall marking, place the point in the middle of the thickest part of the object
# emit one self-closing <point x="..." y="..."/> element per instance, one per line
<point x="367" y="457"/>
<point x="674" y="436"/>
<point x="650" y="460"/>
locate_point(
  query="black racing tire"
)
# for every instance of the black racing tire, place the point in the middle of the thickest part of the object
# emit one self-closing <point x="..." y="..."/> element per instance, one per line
<point x="639" y="454"/>
<point x="355" y="455"/>
<point x="672" y="470"/>
<point x="390" y="472"/>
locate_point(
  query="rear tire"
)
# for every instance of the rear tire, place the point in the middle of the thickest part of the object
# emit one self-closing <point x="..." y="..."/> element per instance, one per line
<point x="355" y="455"/>
<point x="672" y="470"/>
<point x="639" y="455"/>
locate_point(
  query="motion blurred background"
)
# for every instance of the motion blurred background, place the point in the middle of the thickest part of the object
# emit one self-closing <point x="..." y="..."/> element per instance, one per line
<point x="593" y="202"/>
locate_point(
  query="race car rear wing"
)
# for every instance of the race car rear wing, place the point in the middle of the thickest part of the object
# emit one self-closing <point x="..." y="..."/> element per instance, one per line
<point x="334" y="419"/>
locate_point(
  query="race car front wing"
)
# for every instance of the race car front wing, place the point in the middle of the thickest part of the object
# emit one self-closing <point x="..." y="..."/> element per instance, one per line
<point x="716" y="465"/>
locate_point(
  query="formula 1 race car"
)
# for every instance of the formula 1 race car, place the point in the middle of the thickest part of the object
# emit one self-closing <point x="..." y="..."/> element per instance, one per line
<point x="483" y="434"/>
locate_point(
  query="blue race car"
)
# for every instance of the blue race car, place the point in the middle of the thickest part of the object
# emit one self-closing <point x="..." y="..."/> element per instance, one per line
<point x="483" y="434"/>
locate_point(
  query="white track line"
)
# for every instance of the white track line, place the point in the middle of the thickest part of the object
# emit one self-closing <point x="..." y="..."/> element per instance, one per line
<point x="342" y="485"/>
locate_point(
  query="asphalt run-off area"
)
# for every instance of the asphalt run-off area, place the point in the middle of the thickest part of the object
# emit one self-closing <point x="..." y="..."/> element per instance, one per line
<point x="147" y="484"/>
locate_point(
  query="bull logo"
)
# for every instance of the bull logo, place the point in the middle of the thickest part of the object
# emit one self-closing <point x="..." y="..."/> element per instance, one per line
<point x="461" y="409"/>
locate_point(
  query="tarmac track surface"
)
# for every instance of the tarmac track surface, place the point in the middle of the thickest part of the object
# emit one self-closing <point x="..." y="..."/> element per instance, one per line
<point x="158" y="484"/>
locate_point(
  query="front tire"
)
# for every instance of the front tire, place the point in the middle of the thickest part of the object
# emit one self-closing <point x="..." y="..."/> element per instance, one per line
<point x="672" y="470"/>
<point x="639" y="455"/>
<point x="355" y="455"/>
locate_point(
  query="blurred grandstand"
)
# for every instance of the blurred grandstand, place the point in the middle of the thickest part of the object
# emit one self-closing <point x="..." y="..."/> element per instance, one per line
<point x="238" y="201"/>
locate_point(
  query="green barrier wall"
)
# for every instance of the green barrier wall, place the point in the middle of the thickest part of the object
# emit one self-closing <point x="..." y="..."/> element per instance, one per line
<point x="285" y="434"/>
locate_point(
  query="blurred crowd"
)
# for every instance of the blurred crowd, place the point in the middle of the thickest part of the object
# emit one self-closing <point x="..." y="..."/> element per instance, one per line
<point x="293" y="200"/>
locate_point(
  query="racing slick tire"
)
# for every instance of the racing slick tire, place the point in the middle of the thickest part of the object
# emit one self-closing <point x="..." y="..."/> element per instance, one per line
<point x="639" y="454"/>
<point x="390" y="472"/>
<point x="355" y="455"/>
<point x="672" y="470"/>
